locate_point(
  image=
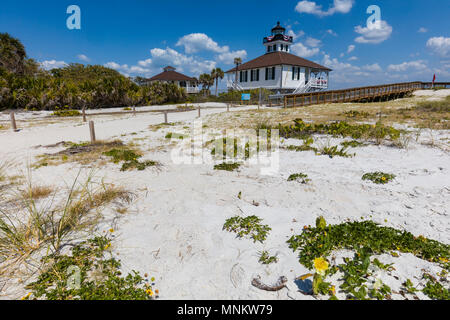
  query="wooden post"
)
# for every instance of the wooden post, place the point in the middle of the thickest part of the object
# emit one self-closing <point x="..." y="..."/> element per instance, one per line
<point x="134" y="111"/>
<point x="199" y="111"/>
<point x="285" y="101"/>
<point x="84" y="114"/>
<point x="92" y="131"/>
<point x="13" y="122"/>
<point x="228" y="107"/>
<point x="165" y="117"/>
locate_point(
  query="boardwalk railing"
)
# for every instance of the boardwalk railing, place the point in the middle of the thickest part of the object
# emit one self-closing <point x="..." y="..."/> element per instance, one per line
<point x="358" y="94"/>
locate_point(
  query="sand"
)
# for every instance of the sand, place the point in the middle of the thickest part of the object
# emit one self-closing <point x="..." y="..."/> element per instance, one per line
<point x="173" y="230"/>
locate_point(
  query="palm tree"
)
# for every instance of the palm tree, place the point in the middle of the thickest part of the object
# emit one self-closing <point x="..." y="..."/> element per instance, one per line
<point x="237" y="62"/>
<point x="217" y="74"/>
<point x="206" y="80"/>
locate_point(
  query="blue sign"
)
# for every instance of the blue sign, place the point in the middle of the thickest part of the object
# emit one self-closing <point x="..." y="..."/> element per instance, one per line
<point x="245" y="97"/>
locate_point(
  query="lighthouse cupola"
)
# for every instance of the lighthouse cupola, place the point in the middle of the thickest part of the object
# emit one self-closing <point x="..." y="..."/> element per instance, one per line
<point x="278" y="41"/>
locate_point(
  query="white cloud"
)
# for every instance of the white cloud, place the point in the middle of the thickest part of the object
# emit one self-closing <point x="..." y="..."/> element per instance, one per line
<point x="303" y="51"/>
<point x="440" y="45"/>
<point x="53" y="64"/>
<point x="353" y="58"/>
<point x="313" y="42"/>
<point x="83" y="57"/>
<point x="329" y="31"/>
<point x="196" y="42"/>
<point x="351" y="48"/>
<point x="228" y="57"/>
<point x="168" y="56"/>
<point x="416" y="65"/>
<point x="125" y="69"/>
<point x="295" y="35"/>
<point x="145" y="63"/>
<point x="375" y="34"/>
<point x="310" y="7"/>
<point x="423" y="30"/>
<point x="372" y="67"/>
<point x="336" y="65"/>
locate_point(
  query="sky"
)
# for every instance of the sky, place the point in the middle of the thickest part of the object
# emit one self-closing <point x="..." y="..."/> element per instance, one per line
<point x="409" y="42"/>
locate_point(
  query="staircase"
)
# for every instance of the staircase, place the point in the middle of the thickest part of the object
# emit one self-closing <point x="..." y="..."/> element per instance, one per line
<point x="236" y="86"/>
<point x="303" y="88"/>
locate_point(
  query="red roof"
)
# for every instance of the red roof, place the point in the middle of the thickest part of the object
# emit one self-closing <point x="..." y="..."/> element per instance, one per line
<point x="279" y="58"/>
<point x="171" y="76"/>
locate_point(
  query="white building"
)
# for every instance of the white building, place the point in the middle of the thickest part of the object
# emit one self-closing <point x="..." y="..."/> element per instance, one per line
<point x="279" y="70"/>
<point x="171" y="76"/>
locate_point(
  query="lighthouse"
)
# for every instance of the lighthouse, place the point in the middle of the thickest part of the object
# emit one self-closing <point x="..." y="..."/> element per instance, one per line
<point x="278" y="41"/>
<point x="278" y="69"/>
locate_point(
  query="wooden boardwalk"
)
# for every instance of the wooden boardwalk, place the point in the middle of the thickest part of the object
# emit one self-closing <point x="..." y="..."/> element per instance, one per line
<point x="363" y="94"/>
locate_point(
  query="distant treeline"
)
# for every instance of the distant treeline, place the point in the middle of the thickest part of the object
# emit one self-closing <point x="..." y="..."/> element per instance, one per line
<point x="23" y="84"/>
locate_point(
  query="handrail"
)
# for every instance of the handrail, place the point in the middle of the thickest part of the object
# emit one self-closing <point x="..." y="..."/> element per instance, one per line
<point x="357" y="94"/>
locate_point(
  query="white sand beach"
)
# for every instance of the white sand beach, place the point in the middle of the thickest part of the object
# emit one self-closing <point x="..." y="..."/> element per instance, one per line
<point x="173" y="229"/>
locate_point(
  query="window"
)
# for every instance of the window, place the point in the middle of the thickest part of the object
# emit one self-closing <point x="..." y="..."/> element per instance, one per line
<point x="270" y="73"/>
<point x="254" y="75"/>
<point x="243" y="77"/>
<point x="282" y="47"/>
<point x="269" y="48"/>
<point x="295" y="73"/>
<point x="274" y="47"/>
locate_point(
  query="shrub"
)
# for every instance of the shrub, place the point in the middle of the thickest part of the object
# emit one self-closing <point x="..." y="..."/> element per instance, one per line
<point x="333" y="151"/>
<point x="379" y="177"/>
<point x="250" y="226"/>
<point x="301" y="177"/>
<point x="300" y="130"/>
<point x="356" y="114"/>
<point x="130" y="159"/>
<point x="265" y="258"/>
<point x="227" y="166"/>
<point x="100" y="277"/>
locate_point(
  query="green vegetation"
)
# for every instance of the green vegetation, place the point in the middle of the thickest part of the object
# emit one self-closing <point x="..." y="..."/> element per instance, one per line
<point x="301" y="130"/>
<point x="333" y="151"/>
<point x="227" y="166"/>
<point x="301" y="177"/>
<point x="25" y="85"/>
<point x="49" y="226"/>
<point x="307" y="146"/>
<point x="365" y="239"/>
<point x="352" y="144"/>
<point x="379" y="177"/>
<point x="434" y="289"/>
<point x="100" y="276"/>
<point x="317" y="242"/>
<point x="434" y="106"/>
<point x="130" y="159"/>
<point x="356" y="114"/>
<point x="250" y="226"/>
<point x="65" y="112"/>
<point x="265" y="258"/>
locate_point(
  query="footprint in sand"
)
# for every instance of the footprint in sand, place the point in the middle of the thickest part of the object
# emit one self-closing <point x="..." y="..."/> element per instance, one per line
<point x="237" y="275"/>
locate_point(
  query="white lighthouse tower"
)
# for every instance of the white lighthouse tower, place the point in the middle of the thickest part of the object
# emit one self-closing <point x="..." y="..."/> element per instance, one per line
<point x="278" y="41"/>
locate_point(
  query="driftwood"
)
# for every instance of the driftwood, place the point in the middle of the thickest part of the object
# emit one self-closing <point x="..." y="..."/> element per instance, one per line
<point x="281" y="283"/>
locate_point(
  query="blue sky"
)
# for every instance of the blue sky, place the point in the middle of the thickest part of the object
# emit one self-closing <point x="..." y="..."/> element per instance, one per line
<point x="139" y="37"/>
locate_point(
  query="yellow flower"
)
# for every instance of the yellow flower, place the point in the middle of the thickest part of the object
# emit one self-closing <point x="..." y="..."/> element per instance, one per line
<point x="149" y="292"/>
<point x="383" y="178"/>
<point x="321" y="265"/>
<point x="111" y="230"/>
<point x="333" y="290"/>
<point x="153" y="279"/>
<point x="107" y="246"/>
<point x="27" y="296"/>
<point x="443" y="260"/>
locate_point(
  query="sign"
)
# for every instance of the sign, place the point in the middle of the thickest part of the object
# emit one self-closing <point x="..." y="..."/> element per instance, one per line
<point x="245" y="97"/>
